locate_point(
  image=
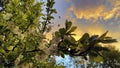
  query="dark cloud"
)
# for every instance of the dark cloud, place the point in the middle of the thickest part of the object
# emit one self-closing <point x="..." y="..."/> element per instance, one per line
<point x="87" y="3"/>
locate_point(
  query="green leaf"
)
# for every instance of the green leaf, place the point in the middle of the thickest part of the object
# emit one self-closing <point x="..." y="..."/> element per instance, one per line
<point x="68" y="24"/>
<point x="2" y="51"/>
<point x="109" y="41"/>
<point x="62" y="31"/>
<point x="62" y="55"/>
<point x="22" y="61"/>
<point x="12" y="56"/>
<point x="103" y="35"/>
<point x="70" y="40"/>
<point x="93" y="53"/>
<point x="54" y="11"/>
<point x="100" y="48"/>
<point x="15" y="2"/>
<point x="85" y="57"/>
<point x="1" y="27"/>
<point x="98" y="59"/>
<point x="67" y="41"/>
<point x="84" y="39"/>
<point x="72" y="29"/>
<point x="57" y="34"/>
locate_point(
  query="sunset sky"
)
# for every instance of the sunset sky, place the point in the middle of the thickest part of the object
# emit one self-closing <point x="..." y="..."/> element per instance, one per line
<point x="91" y="16"/>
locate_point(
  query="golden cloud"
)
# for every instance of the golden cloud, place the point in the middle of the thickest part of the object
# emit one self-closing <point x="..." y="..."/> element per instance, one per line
<point x="96" y="10"/>
<point x="87" y="13"/>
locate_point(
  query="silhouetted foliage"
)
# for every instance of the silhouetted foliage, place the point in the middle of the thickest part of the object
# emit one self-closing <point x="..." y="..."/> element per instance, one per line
<point x="86" y="45"/>
<point x="111" y="58"/>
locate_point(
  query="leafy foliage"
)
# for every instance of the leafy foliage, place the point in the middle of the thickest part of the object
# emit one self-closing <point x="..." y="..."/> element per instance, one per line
<point x="111" y="58"/>
<point x="21" y="37"/>
<point x="86" y="45"/>
<point x="49" y="11"/>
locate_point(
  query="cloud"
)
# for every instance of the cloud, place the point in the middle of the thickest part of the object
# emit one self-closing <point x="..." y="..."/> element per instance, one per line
<point x="95" y="9"/>
<point x="68" y="0"/>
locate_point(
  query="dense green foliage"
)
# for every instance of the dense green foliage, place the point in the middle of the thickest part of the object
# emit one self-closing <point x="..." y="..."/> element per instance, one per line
<point x="21" y="32"/>
<point x="111" y="58"/>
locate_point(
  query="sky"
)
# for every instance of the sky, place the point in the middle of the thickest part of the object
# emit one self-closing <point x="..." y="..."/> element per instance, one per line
<point x="90" y="16"/>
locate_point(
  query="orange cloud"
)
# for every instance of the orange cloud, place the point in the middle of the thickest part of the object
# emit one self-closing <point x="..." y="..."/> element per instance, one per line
<point x="94" y="10"/>
<point x="87" y="13"/>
